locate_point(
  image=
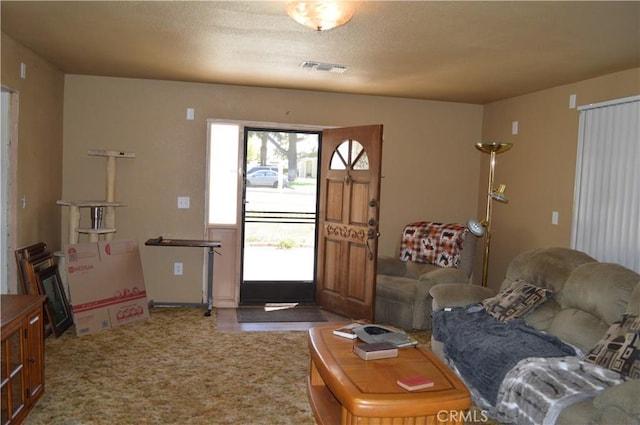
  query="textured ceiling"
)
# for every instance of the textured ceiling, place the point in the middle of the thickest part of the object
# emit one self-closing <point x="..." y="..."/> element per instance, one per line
<point x="475" y="52"/>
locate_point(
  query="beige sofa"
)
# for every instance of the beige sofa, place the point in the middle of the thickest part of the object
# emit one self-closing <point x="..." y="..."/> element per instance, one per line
<point x="402" y="288"/>
<point x="588" y="298"/>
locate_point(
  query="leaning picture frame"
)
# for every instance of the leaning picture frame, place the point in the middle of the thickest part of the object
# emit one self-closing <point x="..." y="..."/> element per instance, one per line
<point x="30" y="260"/>
<point x="56" y="307"/>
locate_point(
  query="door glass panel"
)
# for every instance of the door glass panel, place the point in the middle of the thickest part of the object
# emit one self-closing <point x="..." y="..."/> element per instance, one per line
<point x="343" y="150"/>
<point x="350" y="154"/>
<point x="15" y="375"/>
<point x="338" y="161"/>
<point x="356" y="148"/>
<point x="361" y="162"/>
<point x="17" y="393"/>
<point x="340" y="157"/>
<point x="280" y="206"/>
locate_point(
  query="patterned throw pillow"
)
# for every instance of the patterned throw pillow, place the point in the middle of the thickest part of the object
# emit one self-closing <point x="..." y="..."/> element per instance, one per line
<point x="516" y="301"/>
<point x="619" y="349"/>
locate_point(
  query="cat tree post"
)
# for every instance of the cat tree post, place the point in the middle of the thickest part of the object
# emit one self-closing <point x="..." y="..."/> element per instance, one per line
<point x="101" y="224"/>
<point x="110" y="189"/>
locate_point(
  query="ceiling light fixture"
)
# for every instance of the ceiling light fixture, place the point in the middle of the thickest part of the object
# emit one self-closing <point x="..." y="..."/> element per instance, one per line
<point x="320" y="15"/>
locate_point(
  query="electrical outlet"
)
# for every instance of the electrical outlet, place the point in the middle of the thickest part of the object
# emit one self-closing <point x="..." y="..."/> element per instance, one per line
<point x="177" y="269"/>
<point x="183" y="202"/>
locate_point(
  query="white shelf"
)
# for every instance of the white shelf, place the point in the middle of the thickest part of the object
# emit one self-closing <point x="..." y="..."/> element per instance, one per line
<point x="90" y="231"/>
<point x="116" y="154"/>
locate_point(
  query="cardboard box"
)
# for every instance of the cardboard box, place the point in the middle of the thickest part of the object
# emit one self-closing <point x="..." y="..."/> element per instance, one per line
<point x="106" y="285"/>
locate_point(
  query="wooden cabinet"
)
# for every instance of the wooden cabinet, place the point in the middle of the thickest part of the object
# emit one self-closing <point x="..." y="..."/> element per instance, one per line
<point x="22" y="381"/>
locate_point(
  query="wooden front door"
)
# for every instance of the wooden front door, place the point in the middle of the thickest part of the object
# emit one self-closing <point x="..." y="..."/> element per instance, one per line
<point x="348" y="220"/>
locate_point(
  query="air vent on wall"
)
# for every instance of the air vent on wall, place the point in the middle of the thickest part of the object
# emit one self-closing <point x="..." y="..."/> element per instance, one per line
<point x="320" y="66"/>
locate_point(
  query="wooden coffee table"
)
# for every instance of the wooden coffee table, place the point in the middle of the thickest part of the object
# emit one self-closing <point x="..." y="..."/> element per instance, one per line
<point x="344" y="389"/>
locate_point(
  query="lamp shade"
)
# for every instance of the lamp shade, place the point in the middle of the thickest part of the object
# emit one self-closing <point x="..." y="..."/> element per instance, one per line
<point x="497" y="147"/>
<point x="498" y="194"/>
<point x="320" y="15"/>
<point x="475" y="227"/>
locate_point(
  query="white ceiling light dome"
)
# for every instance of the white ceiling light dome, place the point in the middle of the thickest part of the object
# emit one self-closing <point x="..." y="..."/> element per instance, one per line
<point x="320" y="15"/>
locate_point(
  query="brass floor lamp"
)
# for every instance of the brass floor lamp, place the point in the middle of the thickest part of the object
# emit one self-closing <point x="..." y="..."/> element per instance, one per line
<point x="479" y="228"/>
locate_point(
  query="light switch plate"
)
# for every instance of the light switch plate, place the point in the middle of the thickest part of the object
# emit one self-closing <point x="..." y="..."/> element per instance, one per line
<point x="183" y="202"/>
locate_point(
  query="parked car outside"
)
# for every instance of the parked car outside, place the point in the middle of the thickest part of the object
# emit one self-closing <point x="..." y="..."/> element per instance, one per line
<point x="267" y="178"/>
<point x="262" y="167"/>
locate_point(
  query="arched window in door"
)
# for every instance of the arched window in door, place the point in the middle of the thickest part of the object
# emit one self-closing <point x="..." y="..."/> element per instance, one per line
<point x="349" y="155"/>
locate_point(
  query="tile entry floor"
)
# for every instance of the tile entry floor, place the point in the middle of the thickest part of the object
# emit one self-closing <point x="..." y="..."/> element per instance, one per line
<point x="227" y="322"/>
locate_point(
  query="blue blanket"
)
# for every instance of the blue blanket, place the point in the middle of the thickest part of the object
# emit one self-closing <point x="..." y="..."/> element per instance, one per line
<point x="485" y="349"/>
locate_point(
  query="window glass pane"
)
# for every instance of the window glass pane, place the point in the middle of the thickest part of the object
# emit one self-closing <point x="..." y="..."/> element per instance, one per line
<point x="340" y="157"/>
<point x="223" y="174"/>
<point x="337" y="163"/>
<point x="356" y="159"/>
<point x="362" y="162"/>
<point x="343" y="148"/>
<point x="356" y="148"/>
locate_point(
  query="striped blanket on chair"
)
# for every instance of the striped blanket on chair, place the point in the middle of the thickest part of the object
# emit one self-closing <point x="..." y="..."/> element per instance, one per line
<point x="536" y="390"/>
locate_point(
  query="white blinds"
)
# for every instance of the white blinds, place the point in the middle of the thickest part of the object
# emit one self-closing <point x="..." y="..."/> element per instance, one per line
<point x="606" y="216"/>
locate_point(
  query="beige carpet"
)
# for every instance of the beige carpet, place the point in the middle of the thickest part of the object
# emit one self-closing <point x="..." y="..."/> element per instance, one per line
<point x="175" y="368"/>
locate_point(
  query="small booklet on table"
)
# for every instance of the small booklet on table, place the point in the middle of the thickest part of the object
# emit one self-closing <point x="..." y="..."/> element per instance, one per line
<point x="349" y="331"/>
<point x="346" y="331"/>
<point x="414" y="383"/>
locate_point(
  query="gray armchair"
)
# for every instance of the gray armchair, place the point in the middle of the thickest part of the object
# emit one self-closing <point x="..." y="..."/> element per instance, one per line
<point x="402" y="288"/>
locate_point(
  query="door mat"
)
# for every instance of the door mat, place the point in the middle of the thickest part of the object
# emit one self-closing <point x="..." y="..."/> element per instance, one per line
<point x="298" y="314"/>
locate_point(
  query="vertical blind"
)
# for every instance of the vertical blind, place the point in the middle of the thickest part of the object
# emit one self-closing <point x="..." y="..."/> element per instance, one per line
<point x="606" y="216"/>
